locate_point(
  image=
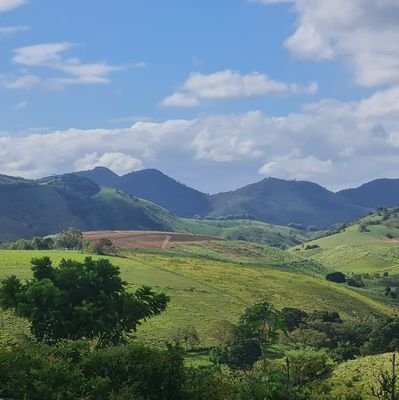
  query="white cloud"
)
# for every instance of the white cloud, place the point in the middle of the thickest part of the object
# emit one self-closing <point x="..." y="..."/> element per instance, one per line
<point x="364" y="33"/>
<point x="179" y="99"/>
<point x="11" y="30"/>
<point x="334" y="143"/>
<point x="51" y="56"/>
<point x="292" y="166"/>
<point x="21" y="105"/>
<point x="120" y="163"/>
<point x="23" y="82"/>
<point x="230" y="84"/>
<point x="40" y="54"/>
<point x="6" y="5"/>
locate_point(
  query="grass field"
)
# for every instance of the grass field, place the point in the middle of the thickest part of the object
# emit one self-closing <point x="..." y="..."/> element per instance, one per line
<point x="248" y="230"/>
<point x="361" y="375"/>
<point x="215" y="281"/>
<point x="368" y="245"/>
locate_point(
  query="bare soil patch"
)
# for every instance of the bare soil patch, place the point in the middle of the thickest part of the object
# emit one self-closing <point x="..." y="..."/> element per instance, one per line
<point x="146" y="239"/>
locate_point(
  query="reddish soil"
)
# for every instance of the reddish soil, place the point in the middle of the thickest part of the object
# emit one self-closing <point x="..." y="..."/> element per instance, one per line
<point x="143" y="239"/>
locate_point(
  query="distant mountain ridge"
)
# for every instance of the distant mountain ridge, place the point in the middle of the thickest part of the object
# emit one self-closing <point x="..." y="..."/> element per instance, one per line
<point x="34" y="208"/>
<point x="283" y="202"/>
<point x="374" y="194"/>
<point x="149" y="200"/>
<point x="271" y="200"/>
<point x="155" y="186"/>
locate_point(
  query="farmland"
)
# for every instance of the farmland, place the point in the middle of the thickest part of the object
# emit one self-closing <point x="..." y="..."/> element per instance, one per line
<point x="210" y="281"/>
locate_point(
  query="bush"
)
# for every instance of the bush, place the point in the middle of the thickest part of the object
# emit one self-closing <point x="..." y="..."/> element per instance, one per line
<point x="71" y="371"/>
<point x="337" y="277"/>
<point x="356" y="281"/>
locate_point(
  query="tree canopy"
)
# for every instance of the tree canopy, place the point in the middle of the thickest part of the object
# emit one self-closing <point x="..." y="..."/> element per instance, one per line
<point x="79" y="300"/>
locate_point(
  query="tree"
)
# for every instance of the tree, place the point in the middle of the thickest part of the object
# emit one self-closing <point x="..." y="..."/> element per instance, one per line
<point x="293" y="318"/>
<point x="258" y="329"/>
<point x="337" y="277"/>
<point x="263" y="323"/>
<point x="71" y="239"/>
<point x="79" y="300"/>
<point x="102" y="246"/>
<point x="187" y="335"/>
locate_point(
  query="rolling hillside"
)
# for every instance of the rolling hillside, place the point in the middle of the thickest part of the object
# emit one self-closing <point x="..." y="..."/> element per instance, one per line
<point x="367" y="245"/>
<point x="283" y="202"/>
<point x="153" y="185"/>
<point x="374" y="194"/>
<point x="271" y="200"/>
<point x="214" y="281"/>
<point x="29" y="208"/>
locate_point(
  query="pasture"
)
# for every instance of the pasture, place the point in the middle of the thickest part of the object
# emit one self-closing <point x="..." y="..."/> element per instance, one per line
<point x="214" y="281"/>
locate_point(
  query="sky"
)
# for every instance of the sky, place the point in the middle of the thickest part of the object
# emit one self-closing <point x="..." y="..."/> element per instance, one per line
<point x="216" y="94"/>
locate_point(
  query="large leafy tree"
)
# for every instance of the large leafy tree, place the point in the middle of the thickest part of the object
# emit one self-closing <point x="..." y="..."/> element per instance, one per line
<point x="79" y="300"/>
<point x="258" y="329"/>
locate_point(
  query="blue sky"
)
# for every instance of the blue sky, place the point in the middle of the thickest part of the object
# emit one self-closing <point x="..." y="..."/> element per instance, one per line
<point x="216" y="94"/>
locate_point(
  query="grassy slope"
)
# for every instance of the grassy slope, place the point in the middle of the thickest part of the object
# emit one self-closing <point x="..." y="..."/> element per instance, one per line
<point x="37" y="208"/>
<point x="361" y="374"/>
<point x="204" y="290"/>
<point x="353" y="251"/>
<point x="248" y="230"/>
<point x="127" y="212"/>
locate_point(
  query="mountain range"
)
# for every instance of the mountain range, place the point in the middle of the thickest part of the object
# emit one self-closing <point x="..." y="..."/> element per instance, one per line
<point x="34" y="208"/>
<point x="150" y="200"/>
<point x="271" y="200"/>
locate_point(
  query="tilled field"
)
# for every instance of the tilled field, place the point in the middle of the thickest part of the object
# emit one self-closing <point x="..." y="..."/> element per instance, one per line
<point x="141" y="239"/>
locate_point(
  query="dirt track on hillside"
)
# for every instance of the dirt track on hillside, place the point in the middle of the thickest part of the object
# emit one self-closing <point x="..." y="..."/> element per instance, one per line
<point x="146" y="240"/>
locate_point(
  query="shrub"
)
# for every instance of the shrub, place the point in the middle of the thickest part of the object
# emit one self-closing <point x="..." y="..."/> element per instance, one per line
<point x="337" y="277"/>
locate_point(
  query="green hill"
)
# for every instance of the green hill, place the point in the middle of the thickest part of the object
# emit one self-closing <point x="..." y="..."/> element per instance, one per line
<point x="360" y="375"/>
<point x="216" y="281"/>
<point x="366" y="245"/>
<point x="153" y="185"/>
<point x="34" y="208"/>
<point x="374" y="194"/>
<point x="29" y="208"/>
<point x="246" y="230"/>
<point x="271" y="200"/>
<point x="283" y="202"/>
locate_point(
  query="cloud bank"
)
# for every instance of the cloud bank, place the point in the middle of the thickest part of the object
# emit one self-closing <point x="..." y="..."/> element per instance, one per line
<point x="334" y="143"/>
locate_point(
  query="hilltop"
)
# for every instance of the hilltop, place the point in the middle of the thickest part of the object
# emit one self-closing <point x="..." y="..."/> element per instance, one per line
<point x="283" y="202"/>
<point x="271" y="200"/>
<point x="30" y="208"/>
<point x="155" y="186"/>
<point x="374" y="194"/>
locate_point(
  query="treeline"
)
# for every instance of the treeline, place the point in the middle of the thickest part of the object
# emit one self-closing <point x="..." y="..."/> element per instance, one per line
<point x="69" y="239"/>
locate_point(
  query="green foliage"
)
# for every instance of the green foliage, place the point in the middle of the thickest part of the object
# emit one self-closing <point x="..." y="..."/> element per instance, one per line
<point x="257" y="330"/>
<point x="72" y="371"/>
<point x="245" y="230"/>
<point x="384" y="337"/>
<point x="304" y="366"/>
<point x="337" y="277"/>
<point x="70" y="239"/>
<point x="292" y="317"/>
<point x="79" y="300"/>
<point x="187" y="336"/>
